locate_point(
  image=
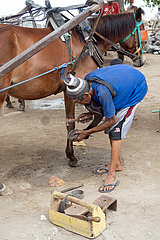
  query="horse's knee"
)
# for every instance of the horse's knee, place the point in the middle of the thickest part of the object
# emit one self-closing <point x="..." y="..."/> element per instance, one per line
<point x="121" y="56"/>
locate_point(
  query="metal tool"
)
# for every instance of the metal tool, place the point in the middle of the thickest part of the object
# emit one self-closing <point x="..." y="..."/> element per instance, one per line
<point x="78" y="194"/>
<point x="72" y="120"/>
<point x="72" y="135"/>
<point x="71" y="188"/>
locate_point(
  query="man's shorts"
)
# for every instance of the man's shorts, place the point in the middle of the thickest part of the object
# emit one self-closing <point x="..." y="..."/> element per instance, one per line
<point x="124" y="119"/>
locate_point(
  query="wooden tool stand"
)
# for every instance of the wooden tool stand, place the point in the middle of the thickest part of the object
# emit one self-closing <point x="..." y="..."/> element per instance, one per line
<point x="90" y="223"/>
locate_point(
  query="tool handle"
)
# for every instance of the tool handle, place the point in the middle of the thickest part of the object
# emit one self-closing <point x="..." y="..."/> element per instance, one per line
<point x="88" y="219"/>
<point x="71" y="120"/>
<point x="94" y="219"/>
<point x="74" y="200"/>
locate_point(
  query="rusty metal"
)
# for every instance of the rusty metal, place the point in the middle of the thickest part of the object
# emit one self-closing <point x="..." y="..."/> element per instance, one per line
<point x="71" y="188"/>
<point x="106" y="202"/>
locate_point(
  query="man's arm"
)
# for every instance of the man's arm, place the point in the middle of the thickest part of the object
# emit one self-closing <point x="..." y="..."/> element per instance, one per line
<point x="103" y="126"/>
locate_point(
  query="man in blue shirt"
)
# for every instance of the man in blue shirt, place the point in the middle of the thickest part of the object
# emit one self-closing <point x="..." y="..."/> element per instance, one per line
<point x="130" y="87"/>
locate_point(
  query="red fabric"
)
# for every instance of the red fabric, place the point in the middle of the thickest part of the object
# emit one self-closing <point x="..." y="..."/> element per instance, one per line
<point x="110" y="9"/>
<point x="129" y="111"/>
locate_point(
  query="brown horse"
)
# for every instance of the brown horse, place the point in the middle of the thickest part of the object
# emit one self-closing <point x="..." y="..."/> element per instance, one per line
<point x="14" y="40"/>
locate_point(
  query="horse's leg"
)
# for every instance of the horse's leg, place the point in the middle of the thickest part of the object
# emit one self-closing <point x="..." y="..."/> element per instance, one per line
<point x="70" y="113"/>
<point x="22" y="104"/>
<point x="121" y="56"/>
<point x="5" y="82"/>
<point x="9" y="104"/>
<point x="2" y="98"/>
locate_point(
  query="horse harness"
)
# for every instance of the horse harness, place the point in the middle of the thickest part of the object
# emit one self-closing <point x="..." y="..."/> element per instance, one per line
<point x="137" y="28"/>
<point x="56" y="19"/>
<point x="91" y="48"/>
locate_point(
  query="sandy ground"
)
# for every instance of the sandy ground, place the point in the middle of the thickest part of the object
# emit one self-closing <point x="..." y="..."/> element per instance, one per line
<point x="32" y="150"/>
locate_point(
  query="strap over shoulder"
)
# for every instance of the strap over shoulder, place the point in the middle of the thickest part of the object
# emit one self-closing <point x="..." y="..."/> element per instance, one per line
<point x="97" y="80"/>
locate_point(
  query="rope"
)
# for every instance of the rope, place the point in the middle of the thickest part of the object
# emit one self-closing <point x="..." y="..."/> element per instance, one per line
<point x="63" y="66"/>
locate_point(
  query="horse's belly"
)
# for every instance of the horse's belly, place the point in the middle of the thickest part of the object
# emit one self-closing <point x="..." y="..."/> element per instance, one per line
<point x="36" y="88"/>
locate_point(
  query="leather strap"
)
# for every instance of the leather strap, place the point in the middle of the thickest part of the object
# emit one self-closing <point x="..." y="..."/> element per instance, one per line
<point x="97" y="80"/>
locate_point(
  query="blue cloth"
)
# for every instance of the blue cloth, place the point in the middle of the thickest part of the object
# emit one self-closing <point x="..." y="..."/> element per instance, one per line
<point x="129" y="83"/>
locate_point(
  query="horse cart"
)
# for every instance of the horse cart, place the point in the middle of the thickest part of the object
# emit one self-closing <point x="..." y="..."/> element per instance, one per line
<point x="34" y="60"/>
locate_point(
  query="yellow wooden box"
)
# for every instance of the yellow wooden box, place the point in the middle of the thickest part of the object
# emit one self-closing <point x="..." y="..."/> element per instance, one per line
<point x="87" y="228"/>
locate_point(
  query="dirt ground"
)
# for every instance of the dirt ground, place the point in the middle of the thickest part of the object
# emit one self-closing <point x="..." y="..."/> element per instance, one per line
<point x="32" y="145"/>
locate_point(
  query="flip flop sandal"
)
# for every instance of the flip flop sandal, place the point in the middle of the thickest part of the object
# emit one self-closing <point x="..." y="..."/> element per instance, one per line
<point x="101" y="168"/>
<point x="111" y="184"/>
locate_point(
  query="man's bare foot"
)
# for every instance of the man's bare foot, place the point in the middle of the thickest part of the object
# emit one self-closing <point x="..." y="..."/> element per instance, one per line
<point x="110" y="180"/>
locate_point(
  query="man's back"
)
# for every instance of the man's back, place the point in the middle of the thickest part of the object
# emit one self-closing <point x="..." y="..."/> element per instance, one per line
<point x="129" y="83"/>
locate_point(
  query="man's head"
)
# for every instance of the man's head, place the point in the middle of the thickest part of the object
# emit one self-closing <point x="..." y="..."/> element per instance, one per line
<point x="109" y="2"/>
<point x="77" y="88"/>
<point x="131" y="2"/>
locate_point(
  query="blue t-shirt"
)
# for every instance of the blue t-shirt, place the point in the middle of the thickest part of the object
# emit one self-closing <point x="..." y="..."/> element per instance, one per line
<point x="129" y="83"/>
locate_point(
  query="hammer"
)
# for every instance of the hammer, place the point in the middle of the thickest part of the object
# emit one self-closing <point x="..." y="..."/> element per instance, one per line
<point x="72" y="120"/>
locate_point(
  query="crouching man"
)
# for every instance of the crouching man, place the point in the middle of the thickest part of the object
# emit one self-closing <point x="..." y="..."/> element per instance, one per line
<point x="117" y="89"/>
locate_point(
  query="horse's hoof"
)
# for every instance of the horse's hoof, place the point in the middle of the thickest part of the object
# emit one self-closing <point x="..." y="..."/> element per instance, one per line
<point x="75" y="163"/>
<point x="2" y="188"/>
<point x="9" y="105"/>
<point x="21" y="108"/>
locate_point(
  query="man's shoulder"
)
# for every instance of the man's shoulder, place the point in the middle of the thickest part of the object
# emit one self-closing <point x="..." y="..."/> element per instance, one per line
<point x="103" y="91"/>
<point x="109" y="69"/>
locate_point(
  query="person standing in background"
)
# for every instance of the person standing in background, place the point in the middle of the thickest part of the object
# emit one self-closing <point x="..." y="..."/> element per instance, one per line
<point x="131" y="8"/>
<point x="110" y="7"/>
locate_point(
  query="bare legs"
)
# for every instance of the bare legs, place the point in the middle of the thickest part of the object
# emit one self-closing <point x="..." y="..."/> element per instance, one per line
<point x="115" y="163"/>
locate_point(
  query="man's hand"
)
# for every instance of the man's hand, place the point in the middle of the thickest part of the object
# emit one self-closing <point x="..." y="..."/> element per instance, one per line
<point x="81" y="135"/>
<point x="85" y="117"/>
<point x="84" y="133"/>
